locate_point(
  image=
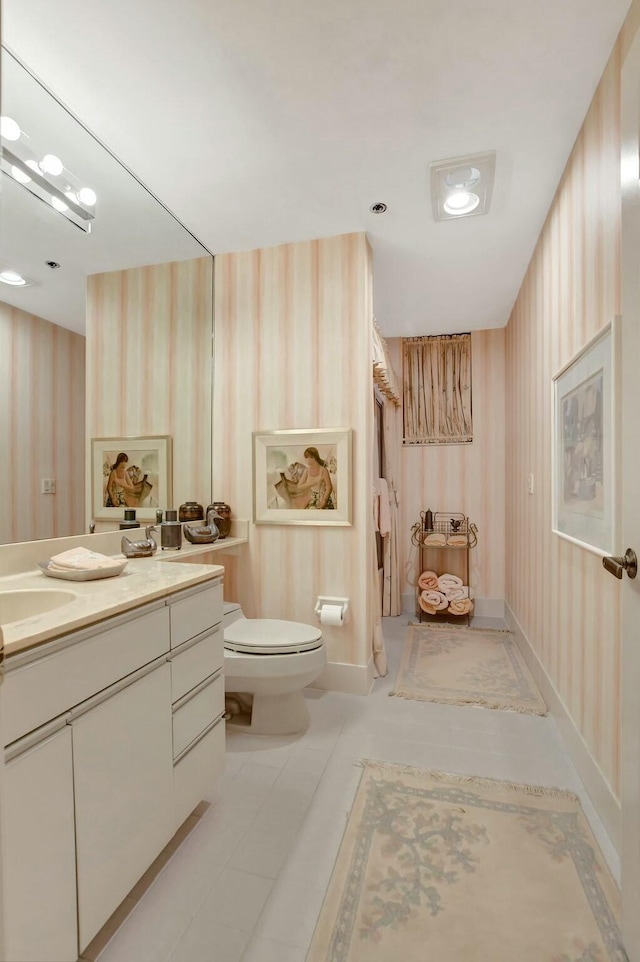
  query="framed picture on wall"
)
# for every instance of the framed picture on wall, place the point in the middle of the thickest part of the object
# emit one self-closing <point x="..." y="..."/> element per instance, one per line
<point x="585" y="413"/>
<point x="130" y="473"/>
<point x="302" y="477"/>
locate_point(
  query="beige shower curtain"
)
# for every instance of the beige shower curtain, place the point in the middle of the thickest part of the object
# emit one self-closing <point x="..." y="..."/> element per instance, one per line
<point x="391" y="597"/>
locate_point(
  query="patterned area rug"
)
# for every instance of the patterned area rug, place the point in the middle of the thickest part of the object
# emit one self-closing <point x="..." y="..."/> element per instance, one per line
<point x="459" y="869"/>
<point x="466" y="666"/>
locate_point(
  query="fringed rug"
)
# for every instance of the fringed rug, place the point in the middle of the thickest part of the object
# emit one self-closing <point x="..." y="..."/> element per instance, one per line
<point x="466" y="666"/>
<point x="459" y="869"/>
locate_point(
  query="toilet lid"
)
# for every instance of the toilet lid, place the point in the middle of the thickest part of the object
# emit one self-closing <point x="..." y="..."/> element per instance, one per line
<point x="268" y="636"/>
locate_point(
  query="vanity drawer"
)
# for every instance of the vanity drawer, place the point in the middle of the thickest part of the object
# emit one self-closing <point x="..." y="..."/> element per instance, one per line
<point x="195" y="661"/>
<point x="91" y="660"/>
<point x="195" y="774"/>
<point x="197" y="712"/>
<point x="194" y="612"/>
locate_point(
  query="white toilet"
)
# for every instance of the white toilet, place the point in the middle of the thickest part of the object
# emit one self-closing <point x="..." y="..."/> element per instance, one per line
<point x="267" y="663"/>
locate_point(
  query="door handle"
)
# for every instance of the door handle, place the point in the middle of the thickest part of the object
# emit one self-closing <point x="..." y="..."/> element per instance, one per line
<point x="629" y="563"/>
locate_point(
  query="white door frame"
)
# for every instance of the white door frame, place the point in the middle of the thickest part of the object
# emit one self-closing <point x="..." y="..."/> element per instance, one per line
<point x="630" y="499"/>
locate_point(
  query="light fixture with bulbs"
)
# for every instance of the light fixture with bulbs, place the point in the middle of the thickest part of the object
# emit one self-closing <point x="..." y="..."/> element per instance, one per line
<point x="462" y="186"/>
<point x="47" y="178"/>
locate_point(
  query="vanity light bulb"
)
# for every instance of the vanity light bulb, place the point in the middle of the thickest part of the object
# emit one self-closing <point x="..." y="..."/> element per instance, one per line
<point x="20" y="175"/>
<point x="9" y="129"/>
<point x="59" y="204"/>
<point x="52" y="165"/>
<point x="33" y="165"/>
<point x="87" y="196"/>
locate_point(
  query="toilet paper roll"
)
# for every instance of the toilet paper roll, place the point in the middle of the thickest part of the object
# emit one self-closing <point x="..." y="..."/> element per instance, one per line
<point x="331" y="615"/>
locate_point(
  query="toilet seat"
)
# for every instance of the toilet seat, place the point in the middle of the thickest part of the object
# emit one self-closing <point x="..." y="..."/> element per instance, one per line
<point x="269" y="636"/>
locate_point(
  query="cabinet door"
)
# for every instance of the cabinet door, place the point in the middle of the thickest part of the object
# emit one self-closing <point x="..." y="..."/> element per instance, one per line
<point x="123" y="767"/>
<point x="39" y="854"/>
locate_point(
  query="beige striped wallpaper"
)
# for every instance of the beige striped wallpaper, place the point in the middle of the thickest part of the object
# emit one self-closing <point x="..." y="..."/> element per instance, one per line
<point x="462" y="477"/>
<point x="42" y="419"/>
<point x="567" y="608"/>
<point x="149" y="345"/>
<point x="293" y="350"/>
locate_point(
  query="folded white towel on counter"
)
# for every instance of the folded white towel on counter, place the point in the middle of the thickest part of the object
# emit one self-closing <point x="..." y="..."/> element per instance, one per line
<point x="447" y="581"/>
<point x="82" y="559"/>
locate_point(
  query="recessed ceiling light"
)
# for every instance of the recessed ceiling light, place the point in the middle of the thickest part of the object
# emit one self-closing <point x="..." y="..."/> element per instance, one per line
<point x="462" y="178"/>
<point x="378" y="208"/>
<point x="12" y="278"/>
<point x="461" y="202"/>
<point x="462" y="186"/>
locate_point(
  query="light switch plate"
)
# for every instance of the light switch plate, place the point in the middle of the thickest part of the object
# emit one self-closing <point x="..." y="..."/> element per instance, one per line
<point x="48" y="486"/>
<point x="530" y="484"/>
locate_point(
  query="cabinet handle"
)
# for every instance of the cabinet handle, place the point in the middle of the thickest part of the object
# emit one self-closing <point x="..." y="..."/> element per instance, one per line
<point x="196" y="741"/>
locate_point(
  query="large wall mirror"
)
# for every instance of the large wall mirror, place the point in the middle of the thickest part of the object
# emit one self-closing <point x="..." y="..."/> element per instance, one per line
<point x="42" y="319"/>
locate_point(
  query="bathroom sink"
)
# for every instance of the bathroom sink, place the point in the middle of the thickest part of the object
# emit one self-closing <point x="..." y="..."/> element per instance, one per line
<point x="24" y="603"/>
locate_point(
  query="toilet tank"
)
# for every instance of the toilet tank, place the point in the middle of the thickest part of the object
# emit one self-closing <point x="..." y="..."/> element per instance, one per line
<point x="231" y="611"/>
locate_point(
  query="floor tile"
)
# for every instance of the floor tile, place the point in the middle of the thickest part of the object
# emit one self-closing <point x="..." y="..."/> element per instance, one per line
<point x="213" y="943"/>
<point x="265" y="950"/>
<point x="261" y="854"/>
<point x="236" y="900"/>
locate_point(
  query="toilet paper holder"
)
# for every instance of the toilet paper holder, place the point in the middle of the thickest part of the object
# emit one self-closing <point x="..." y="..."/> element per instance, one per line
<point x="332" y="601"/>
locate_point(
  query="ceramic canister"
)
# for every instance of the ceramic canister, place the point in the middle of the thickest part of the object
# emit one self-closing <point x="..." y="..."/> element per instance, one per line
<point x="190" y="511"/>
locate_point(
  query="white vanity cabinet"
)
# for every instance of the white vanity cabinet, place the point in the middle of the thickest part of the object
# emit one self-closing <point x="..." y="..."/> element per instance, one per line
<point x="39" y="851"/>
<point x="197" y="695"/>
<point x="122" y="758"/>
<point x="114" y="734"/>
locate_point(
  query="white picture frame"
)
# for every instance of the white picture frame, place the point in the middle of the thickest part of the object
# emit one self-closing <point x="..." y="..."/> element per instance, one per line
<point x="293" y="486"/>
<point x="584" y="444"/>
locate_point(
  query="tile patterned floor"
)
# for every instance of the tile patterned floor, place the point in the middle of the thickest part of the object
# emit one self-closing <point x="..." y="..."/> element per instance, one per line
<point x="248" y="882"/>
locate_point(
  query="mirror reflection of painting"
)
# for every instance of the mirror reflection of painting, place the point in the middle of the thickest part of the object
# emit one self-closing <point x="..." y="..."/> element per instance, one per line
<point x="302" y="477"/>
<point x="582" y="448"/>
<point x="129" y="479"/>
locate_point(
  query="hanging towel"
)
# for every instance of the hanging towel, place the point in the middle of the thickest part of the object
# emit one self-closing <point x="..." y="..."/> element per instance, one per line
<point x="385" y="514"/>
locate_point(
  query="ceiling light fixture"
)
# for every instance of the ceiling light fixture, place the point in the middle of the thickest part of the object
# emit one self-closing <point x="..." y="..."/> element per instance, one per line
<point x="452" y="196"/>
<point x="12" y="278"/>
<point x="47" y="179"/>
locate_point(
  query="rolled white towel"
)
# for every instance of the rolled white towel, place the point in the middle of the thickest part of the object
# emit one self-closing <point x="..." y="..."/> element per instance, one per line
<point x="462" y="607"/>
<point x="428" y="580"/>
<point x="432" y="601"/>
<point x="456" y="594"/>
<point x="448" y="581"/>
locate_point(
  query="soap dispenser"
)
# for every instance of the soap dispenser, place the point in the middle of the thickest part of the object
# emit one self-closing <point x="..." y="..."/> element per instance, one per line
<point x="171" y="531"/>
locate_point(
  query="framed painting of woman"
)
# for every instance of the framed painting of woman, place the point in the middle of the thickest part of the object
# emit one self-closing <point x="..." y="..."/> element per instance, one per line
<point x="130" y="473"/>
<point x="302" y="477"/>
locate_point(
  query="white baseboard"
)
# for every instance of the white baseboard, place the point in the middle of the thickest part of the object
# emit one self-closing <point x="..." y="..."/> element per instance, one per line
<point x="598" y="788"/>
<point x="482" y="607"/>
<point x="352" y="679"/>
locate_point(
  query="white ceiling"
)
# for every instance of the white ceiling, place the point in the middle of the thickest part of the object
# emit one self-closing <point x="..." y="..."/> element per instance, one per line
<point x="262" y="122"/>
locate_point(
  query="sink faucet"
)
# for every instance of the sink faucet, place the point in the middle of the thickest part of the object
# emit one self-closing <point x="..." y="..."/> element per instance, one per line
<point x="92" y="527"/>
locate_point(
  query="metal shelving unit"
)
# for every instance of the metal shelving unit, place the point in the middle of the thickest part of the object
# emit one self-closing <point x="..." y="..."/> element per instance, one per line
<point x="449" y="531"/>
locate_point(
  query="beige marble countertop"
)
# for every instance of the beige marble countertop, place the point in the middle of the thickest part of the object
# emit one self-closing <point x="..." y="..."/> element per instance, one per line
<point x="142" y="581"/>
